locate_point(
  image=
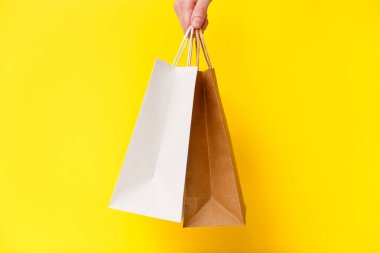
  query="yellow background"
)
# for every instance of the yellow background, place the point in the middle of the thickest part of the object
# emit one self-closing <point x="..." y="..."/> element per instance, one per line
<point x="300" y="83"/>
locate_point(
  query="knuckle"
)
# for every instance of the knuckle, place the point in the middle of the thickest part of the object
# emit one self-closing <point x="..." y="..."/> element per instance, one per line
<point x="201" y="11"/>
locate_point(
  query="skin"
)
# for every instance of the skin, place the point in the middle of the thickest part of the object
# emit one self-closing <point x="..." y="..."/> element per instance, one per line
<point x="192" y="12"/>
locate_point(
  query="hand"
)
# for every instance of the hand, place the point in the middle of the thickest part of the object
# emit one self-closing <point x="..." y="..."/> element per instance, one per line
<point x="192" y="12"/>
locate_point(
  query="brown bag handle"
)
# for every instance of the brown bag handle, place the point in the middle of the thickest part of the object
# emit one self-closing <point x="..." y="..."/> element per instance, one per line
<point x="200" y="41"/>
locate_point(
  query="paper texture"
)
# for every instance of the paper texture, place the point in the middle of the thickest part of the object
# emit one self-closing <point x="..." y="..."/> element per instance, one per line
<point x="151" y="181"/>
<point x="212" y="191"/>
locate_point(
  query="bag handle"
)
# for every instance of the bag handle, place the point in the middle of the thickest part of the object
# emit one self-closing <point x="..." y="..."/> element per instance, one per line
<point x="197" y="46"/>
<point x="182" y="47"/>
<point x="200" y="41"/>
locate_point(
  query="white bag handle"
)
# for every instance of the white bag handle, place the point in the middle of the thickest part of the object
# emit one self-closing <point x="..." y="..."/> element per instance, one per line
<point x="182" y="47"/>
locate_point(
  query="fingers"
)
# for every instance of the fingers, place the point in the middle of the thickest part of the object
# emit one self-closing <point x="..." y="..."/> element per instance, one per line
<point x="199" y="15"/>
<point x="192" y="12"/>
<point x="205" y="24"/>
<point x="184" y="9"/>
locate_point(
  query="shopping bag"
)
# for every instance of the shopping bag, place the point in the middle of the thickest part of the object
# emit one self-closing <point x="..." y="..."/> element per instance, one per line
<point x="212" y="190"/>
<point x="151" y="181"/>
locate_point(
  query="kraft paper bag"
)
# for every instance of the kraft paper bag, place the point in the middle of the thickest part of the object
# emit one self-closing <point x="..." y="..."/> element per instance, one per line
<point x="212" y="191"/>
<point x="151" y="181"/>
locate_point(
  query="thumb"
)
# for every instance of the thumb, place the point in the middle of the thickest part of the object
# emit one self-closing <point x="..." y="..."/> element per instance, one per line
<point x="199" y="14"/>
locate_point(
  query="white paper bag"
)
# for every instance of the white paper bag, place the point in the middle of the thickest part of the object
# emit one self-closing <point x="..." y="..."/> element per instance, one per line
<point x="151" y="181"/>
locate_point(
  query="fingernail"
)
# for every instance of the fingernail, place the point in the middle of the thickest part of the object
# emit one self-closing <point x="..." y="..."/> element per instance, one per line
<point x="197" y="22"/>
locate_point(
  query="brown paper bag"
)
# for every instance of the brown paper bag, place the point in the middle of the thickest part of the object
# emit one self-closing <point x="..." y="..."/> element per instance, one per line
<point x="212" y="191"/>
